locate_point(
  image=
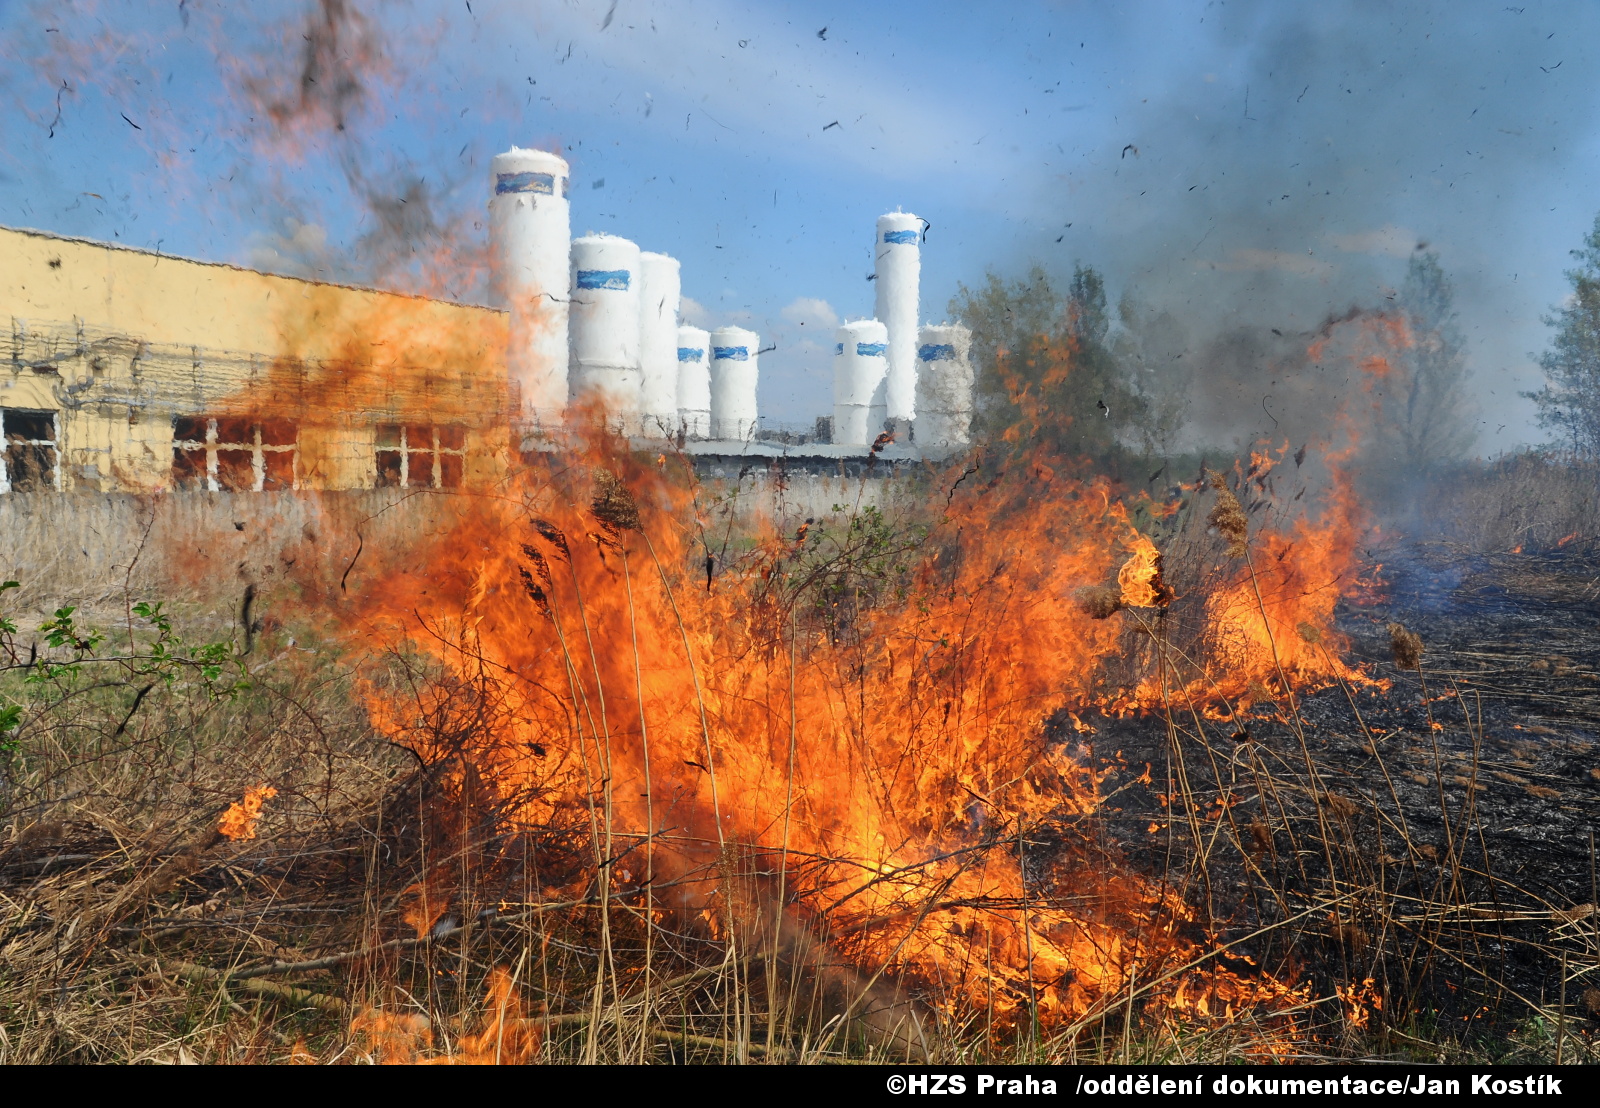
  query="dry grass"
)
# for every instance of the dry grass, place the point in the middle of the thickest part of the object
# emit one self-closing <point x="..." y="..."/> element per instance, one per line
<point x="1533" y="501"/>
<point x="378" y="916"/>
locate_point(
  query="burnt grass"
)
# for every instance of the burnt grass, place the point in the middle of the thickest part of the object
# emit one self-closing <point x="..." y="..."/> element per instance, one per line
<point x="1459" y="828"/>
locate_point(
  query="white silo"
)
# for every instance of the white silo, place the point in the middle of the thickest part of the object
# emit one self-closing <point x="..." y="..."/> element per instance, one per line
<point x="733" y="383"/>
<point x="605" y="327"/>
<point x="898" y="265"/>
<point x="860" y="378"/>
<point x="944" y="385"/>
<point x="694" y="382"/>
<point x="529" y="234"/>
<point x="659" y="290"/>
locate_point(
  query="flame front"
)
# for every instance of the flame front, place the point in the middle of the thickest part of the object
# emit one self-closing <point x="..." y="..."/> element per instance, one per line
<point x="888" y="782"/>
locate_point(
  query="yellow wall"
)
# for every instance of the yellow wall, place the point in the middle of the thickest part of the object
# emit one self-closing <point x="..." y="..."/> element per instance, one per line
<point x="118" y="341"/>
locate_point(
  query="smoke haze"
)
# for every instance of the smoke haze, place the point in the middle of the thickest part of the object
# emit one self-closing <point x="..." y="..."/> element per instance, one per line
<point x="1239" y="167"/>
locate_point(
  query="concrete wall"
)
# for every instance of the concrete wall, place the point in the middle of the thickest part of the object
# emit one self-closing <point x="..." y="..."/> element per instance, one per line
<point x="791" y="490"/>
<point x="199" y="550"/>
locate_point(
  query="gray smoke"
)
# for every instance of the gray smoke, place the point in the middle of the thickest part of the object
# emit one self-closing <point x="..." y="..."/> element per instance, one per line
<point x="1290" y="160"/>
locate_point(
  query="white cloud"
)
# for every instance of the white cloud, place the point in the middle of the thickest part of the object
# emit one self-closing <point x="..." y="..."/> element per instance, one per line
<point x="812" y="313"/>
<point x="302" y="250"/>
<point x="692" y="313"/>
<point x="1388" y="240"/>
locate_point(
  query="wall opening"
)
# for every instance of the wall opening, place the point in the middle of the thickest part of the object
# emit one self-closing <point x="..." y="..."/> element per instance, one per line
<point x="30" y="459"/>
<point x="420" y="457"/>
<point x="235" y="454"/>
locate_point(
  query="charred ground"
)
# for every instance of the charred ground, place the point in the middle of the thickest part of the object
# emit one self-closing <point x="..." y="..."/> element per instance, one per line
<point x="1455" y="808"/>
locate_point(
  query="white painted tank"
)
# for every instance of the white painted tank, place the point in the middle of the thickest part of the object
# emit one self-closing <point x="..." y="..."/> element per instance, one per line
<point x="898" y="265"/>
<point x="529" y="234"/>
<point x="694" y="382"/>
<point x="860" y="377"/>
<point x="733" y="383"/>
<point x="659" y="290"/>
<point x="605" y="326"/>
<point x="944" y="385"/>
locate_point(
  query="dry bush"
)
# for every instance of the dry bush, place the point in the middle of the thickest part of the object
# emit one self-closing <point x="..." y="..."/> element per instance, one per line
<point x="115" y="871"/>
<point x="1533" y="501"/>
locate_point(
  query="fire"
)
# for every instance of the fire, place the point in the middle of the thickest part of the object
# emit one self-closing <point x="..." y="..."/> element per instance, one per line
<point x="1360" y="1002"/>
<point x="239" y="821"/>
<point x="888" y="770"/>
<point x="1139" y="579"/>
<point x="505" y="1035"/>
<point x="1272" y="624"/>
<point x="894" y="776"/>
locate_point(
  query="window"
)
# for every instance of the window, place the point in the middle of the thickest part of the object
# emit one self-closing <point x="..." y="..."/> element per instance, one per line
<point x="234" y="453"/>
<point x="29" y="462"/>
<point x="420" y="457"/>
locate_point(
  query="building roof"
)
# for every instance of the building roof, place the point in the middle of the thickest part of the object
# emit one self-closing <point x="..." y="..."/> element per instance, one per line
<point x="34" y="232"/>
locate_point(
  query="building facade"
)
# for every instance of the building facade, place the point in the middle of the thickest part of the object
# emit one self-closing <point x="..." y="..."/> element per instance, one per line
<point x="133" y="371"/>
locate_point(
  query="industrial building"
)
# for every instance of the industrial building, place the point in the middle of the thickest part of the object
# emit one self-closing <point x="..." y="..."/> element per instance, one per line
<point x="134" y="371"/>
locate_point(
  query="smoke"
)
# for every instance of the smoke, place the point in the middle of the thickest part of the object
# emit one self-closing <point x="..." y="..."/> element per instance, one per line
<point x="324" y="93"/>
<point x="343" y="54"/>
<point x="323" y="138"/>
<point x="1237" y="166"/>
<point x="1286" y="163"/>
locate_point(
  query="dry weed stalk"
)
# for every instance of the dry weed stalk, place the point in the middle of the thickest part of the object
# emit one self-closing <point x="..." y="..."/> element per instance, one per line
<point x="533" y="948"/>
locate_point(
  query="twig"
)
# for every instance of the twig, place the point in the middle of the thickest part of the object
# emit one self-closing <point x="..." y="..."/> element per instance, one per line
<point x="271" y="990"/>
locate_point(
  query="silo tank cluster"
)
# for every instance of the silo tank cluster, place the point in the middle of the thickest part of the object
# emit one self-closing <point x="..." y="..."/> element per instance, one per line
<point x="594" y="325"/>
<point x="892" y="374"/>
<point x="594" y="321"/>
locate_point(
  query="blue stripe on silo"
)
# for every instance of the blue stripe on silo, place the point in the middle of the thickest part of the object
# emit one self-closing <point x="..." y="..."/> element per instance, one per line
<point x="525" y="182"/>
<point x="731" y="353"/>
<point x="871" y="349"/>
<point x="691" y="353"/>
<point x="900" y="236"/>
<point x="616" y="279"/>
<point x="838" y="348"/>
<point x="936" y="352"/>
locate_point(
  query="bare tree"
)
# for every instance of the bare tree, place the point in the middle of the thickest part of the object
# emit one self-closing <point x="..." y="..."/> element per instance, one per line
<point x="1431" y="414"/>
<point x="1570" y="400"/>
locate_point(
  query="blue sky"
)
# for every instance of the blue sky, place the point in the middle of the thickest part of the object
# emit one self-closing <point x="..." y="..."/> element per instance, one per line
<point x="1257" y="164"/>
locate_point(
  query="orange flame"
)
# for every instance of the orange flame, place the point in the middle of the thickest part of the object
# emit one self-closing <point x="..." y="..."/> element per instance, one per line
<point x="239" y="821"/>
<point x="895" y="760"/>
<point x="1140" y="576"/>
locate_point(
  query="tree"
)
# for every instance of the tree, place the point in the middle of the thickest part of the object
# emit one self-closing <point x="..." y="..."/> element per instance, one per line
<point x="1046" y="374"/>
<point x="1570" y="399"/>
<point x="1150" y="346"/>
<point x="1430" y="414"/>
